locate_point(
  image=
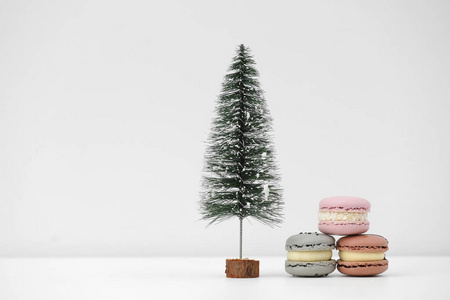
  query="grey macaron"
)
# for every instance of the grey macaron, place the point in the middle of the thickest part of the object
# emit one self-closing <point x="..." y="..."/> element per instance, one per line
<point x="310" y="241"/>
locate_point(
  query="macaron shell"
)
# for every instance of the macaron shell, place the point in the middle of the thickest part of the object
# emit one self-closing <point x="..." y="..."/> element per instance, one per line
<point x="344" y="203"/>
<point x="310" y="241"/>
<point x="310" y="269"/>
<point x="343" y="228"/>
<point x="368" y="268"/>
<point x="363" y="243"/>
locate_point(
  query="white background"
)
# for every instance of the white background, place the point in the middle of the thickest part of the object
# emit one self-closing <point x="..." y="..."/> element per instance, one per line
<point x="105" y="107"/>
<point x="113" y="278"/>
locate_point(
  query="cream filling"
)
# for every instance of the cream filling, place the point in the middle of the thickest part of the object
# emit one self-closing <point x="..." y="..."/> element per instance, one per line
<point x="360" y="256"/>
<point x="309" y="255"/>
<point x="342" y="216"/>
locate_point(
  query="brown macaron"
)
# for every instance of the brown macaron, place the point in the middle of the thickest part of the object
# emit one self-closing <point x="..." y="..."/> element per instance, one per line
<point x="362" y="255"/>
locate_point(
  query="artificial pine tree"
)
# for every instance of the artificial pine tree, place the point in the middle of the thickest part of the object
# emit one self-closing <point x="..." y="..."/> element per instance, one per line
<point x="240" y="175"/>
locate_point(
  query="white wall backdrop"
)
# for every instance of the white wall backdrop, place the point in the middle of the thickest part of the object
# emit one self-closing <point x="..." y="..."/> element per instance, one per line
<point x="105" y="107"/>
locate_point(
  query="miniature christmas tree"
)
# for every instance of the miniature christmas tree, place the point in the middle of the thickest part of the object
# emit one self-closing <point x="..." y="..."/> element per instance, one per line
<point x="240" y="175"/>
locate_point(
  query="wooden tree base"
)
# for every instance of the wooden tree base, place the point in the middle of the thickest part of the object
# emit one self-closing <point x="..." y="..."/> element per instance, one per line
<point x="242" y="268"/>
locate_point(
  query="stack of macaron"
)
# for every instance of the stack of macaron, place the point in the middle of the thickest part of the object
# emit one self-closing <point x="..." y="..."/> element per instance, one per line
<point x="360" y="254"/>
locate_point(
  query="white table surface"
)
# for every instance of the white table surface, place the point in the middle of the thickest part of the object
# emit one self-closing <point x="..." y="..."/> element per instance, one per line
<point x="412" y="277"/>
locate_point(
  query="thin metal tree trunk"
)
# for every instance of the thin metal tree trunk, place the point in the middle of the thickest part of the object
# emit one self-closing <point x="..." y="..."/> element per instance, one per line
<point x="240" y="238"/>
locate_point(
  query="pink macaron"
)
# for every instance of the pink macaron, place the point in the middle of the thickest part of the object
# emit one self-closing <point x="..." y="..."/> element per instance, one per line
<point x="343" y="215"/>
